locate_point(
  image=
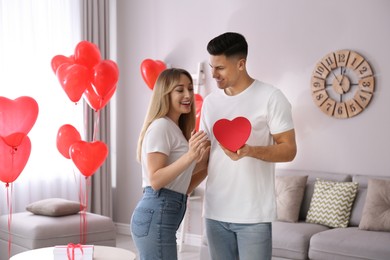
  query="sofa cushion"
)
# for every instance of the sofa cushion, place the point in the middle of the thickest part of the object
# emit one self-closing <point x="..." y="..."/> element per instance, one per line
<point x="376" y="211"/>
<point x="289" y="195"/>
<point x="54" y="207"/>
<point x="331" y="203"/>
<point x="357" y="207"/>
<point x="291" y="240"/>
<point x="350" y="244"/>
<point x="309" y="189"/>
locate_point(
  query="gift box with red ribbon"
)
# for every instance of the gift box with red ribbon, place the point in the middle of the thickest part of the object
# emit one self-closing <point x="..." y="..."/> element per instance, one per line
<point x="73" y="252"/>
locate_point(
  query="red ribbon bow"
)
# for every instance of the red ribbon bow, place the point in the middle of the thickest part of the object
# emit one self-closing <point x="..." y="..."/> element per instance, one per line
<point x="70" y="250"/>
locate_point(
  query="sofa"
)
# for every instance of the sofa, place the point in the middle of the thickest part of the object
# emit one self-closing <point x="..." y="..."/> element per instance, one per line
<point x="300" y="232"/>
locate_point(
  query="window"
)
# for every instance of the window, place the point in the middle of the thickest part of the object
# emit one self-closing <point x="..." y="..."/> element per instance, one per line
<point x="31" y="34"/>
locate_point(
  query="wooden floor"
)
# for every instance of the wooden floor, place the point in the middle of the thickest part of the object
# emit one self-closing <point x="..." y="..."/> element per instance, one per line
<point x="188" y="252"/>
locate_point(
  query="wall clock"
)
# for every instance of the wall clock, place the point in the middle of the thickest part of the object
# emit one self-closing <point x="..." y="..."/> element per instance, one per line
<point x="342" y="84"/>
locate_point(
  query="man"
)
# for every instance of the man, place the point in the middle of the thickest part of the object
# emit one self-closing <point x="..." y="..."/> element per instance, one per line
<point x="240" y="201"/>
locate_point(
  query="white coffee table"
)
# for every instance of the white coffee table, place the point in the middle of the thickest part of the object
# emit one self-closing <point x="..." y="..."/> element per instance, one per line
<point x="99" y="253"/>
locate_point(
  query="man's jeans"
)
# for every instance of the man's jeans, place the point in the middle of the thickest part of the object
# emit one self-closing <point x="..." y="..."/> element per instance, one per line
<point x="231" y="241"/>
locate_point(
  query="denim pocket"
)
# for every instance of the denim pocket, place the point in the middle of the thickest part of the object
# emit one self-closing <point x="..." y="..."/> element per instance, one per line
<point x="141" y="221"/>
<point x="173" y="207"/>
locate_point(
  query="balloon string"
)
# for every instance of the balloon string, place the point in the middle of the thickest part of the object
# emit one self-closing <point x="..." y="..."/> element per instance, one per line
<point x="82" y="205"/>
<point x="83" y="209"/>
<point x="95" y="130"/>
<point x="88" y="186"/>
<point x="75" y="181"/>
<point x="9" y="206"/>
<point x="81" y="200"/>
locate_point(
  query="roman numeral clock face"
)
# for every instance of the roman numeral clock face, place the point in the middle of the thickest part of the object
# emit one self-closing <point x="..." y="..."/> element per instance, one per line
<point x="342" y="84"/>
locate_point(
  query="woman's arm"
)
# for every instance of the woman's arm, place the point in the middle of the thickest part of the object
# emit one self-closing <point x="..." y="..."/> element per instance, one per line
<point x="200" y="171"/>
<point x="161" y="174"/>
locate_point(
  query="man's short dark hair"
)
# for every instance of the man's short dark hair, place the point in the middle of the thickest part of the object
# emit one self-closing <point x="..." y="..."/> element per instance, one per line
<point x="228" y="44"/>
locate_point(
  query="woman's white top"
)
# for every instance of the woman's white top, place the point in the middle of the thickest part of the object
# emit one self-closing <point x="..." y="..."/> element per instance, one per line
<point x="164" y="136"/>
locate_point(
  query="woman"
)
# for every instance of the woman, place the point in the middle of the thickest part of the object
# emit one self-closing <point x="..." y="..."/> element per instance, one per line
<point x="174" y="161"/>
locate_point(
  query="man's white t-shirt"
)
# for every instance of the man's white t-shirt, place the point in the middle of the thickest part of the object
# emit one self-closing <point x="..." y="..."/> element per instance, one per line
<point x="164" y="136"/>
<point x="243" y="191"/>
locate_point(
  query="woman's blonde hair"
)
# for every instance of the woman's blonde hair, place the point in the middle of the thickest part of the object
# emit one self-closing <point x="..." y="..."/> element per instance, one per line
<point x="160" y="104"/>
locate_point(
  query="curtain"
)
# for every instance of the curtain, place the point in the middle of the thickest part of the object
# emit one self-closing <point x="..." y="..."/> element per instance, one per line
<point x="31" y="34"/>
<point x="96" y="29"/>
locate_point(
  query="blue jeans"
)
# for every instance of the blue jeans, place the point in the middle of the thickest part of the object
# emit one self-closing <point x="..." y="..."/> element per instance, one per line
<point x="155" y="221"/>
<point x="231" y="241"/>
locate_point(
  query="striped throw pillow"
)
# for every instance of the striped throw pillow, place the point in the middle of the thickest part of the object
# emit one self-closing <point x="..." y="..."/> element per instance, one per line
<point x="331" y="203"/>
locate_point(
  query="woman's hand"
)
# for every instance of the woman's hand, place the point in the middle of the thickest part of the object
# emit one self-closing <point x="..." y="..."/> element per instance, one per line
<point x="198" y="146"/>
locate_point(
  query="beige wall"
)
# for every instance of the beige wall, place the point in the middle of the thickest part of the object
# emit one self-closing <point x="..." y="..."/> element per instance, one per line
<point x="286" y="39"/>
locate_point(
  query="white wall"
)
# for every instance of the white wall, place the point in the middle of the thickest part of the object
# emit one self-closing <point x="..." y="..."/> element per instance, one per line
<point x="286" y="39"/>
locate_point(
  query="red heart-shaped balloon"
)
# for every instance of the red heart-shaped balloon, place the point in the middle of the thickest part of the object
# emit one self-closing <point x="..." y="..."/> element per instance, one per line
<point x="232" y="134"/>
<point x="105" y="77"/>
<point x="66" y="136"/>
<point x="13" y="160"/>
<point x="17" y="117"/>
<point x="88" y="157"/>
<point x="87" y="54"/>
<point x="150" y="70"/>
<point x="74" y="79"/>
<point x="94" y="100"/>
<point x="58" y="60"/>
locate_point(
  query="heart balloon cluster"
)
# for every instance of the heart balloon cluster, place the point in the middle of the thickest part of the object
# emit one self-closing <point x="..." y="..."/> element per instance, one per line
<point x="17" y="117"/>
<point x="85" y="74"/>
<point x="86" y="156"/>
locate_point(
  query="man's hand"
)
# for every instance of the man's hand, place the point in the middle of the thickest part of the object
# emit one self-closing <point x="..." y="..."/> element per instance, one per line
<point x="240" y="153"/>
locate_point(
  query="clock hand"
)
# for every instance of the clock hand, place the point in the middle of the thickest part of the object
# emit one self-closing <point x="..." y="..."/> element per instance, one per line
<point x="336" y="78"/>
<point x="343" y="74"/>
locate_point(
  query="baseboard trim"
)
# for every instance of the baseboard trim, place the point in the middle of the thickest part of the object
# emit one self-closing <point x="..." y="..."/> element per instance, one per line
<point x="123" y="229"/>
<point x="189" y="239"/>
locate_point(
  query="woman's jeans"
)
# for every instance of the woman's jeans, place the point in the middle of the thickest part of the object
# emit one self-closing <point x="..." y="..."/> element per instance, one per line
<point x="232" y="241"/>
<point x="155" y="221"/>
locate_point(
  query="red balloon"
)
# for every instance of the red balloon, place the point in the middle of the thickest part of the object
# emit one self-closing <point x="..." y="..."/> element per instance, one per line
<point x="13" y="159"/>
<point x="105" y="77"/>
<point x="66" y="136"/>
<point x="197" y="122"/>
<point x="74" y="79"/>
<point x="198" y="105"/>
<point x="17" y="117"/>
<point x="150" y="70"/>
<point x="88" y="157"/>
<point x="58" y="60"/>
<point x="14" y="139"/>
<point x="87" y="54"/>
<point x="95" y="101"/>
